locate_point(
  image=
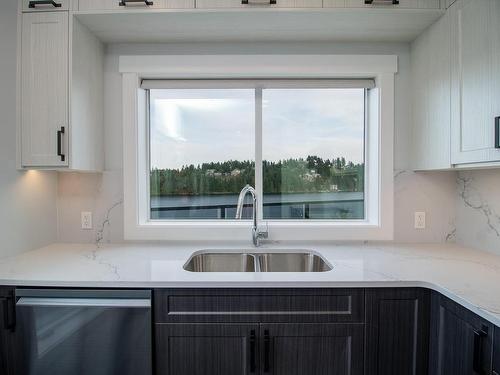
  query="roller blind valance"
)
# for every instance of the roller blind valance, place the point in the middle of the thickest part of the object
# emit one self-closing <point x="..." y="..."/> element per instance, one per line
<point x="367" y="83"/>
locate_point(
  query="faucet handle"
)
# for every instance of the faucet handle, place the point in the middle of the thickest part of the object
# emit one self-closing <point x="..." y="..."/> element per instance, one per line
<point x="262" y="230"/>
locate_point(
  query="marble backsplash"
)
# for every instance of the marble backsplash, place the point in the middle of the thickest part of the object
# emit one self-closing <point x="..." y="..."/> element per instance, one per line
<point x="478" y="209"/>
<point x="461" y="207"/>
<point x="102" y="194"/>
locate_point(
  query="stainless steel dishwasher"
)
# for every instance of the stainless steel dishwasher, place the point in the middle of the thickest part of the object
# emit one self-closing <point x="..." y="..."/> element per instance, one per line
<point x="84" y="332"/>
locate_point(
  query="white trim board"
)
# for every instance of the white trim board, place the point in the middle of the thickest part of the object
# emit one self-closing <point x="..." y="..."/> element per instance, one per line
<point x="258" y="66"/>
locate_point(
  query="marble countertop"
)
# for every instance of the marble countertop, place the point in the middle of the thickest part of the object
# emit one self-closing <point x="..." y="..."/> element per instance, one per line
<point x="469" y="277"/>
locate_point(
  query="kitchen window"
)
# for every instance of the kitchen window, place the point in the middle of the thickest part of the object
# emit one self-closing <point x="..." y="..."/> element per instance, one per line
<point x="308" y="138"/>
<point x="317" y="149"/>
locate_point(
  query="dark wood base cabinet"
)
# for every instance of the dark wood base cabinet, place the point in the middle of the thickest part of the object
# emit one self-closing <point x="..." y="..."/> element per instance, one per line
<point x="7" y="332"/>
<point x="292" y="331"/>
<point x="328" y="331"/>
<point x="496" y="352"/>
<point x="461" y="342"/>
<point x="277" y="349"/>
<point x="397" y="331"/>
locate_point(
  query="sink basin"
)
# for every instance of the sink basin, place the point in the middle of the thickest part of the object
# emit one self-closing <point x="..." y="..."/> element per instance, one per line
<point x="292" y="262"/>
<point x="221" y="262"/>
<point x="303" y="261"/>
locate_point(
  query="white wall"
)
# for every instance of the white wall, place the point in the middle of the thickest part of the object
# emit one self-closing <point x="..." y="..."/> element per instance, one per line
<point x="433" y="193"/>
<point x="28" y="200"/>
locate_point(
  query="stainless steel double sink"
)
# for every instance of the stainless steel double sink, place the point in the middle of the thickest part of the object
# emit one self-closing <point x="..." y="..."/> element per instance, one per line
<point x="303" y="261"/>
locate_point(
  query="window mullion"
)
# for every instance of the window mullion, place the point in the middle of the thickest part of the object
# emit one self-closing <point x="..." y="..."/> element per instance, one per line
<point x="259" y="186"/>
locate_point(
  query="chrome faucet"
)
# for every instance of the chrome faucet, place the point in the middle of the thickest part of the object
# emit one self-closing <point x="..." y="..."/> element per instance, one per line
<point x="257" y="234"/>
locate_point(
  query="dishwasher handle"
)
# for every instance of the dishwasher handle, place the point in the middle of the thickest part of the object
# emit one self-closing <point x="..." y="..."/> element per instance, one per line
<point x="85" y="302"/>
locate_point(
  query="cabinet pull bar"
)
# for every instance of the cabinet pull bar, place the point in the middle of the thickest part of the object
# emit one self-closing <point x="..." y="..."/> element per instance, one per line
<point x="34" y="3"/>
<point x="60" y="134"/>
<point x="9" y="313"/>
<point x="256" y="2"/>
<point x="267" y="351"/>
<point x="123" y="3"/>
<point x="478" y="350"/>
<point x="253" y="343"/>
<point x="497" y="132"/>
<point x="393" y="2"/>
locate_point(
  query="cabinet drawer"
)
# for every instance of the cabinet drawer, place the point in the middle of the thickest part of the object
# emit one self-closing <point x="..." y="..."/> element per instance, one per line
<point x="404" y="4"/>
<point x="259" y="305"/>
<point x="259" y="3"/>
<point x="44" y="5"/>
<point x="115" y="4"/>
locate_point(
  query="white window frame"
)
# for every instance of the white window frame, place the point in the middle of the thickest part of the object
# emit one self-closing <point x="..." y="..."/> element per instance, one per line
<point x="379" y="142"/>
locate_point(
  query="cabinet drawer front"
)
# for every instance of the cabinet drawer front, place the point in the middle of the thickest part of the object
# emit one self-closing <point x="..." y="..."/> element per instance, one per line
<point x="405" y="4"/>
<point x="259" y="3"/>
<point x="44" y="6"/>
<point x="115" y="4"/>
<point x="253" y="305"/>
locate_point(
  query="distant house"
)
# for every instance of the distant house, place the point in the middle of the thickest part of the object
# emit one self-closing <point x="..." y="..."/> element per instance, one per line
<point x="311" y="175"/>
<point x="210" y="172"/>
<point x="334" y="187"/>
<point x="235" y="173"/>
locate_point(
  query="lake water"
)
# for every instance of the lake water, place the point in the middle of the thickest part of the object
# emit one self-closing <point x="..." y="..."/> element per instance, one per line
<point x="335" y="205"/>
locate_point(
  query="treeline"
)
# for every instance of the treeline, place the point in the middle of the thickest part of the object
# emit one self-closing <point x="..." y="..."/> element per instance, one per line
<point x="312" y="174"/>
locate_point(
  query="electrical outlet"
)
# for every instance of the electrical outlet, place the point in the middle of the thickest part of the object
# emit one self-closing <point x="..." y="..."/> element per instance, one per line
<point x="419" y="220"/>
<point x="86" y="220"/>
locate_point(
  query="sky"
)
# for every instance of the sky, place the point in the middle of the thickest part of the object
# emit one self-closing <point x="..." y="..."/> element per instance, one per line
<point x="205" y="125"/>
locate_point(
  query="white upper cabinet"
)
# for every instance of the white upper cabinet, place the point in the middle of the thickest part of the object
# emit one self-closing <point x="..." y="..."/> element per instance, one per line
<point x="126" y="4"/>
<point x="259" y="3"/>
<point x="44" y="89"/>
<point x="475" y="80"/>
<point x="386" y="4"/>
<point x="60" y="113"/>
<point x="430" y="68"/>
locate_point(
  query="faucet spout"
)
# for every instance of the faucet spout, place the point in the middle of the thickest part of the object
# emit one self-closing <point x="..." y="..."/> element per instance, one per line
<point x="257" y="235"/>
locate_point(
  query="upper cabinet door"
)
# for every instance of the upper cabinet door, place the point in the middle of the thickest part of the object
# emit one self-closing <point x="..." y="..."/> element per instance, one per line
<point x="126" y="4"/>
<point x="44" y="86"/>
<point x="475" y="80"/>
<point x="259" y="3"/>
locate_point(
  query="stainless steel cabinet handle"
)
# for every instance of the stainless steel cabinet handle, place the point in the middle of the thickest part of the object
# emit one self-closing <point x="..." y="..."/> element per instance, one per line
<point x="9" y="312"/>
<point x="393" y="2"/>
<point x="497" y="132"/>
<point x="479" y="335"/>
<point x="60" y="134"/>
<point x="34" y="3"/>
<point x="84" y="302"/>
<point x="123" y="3"/>
<point x="257" y="2"/>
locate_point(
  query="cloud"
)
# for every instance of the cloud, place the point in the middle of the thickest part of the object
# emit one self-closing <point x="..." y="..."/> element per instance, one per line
<point x="196" y="126"/>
